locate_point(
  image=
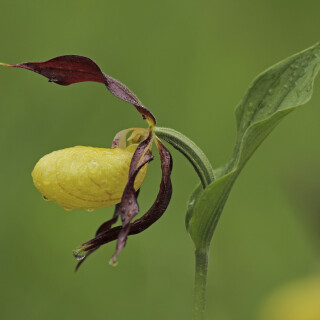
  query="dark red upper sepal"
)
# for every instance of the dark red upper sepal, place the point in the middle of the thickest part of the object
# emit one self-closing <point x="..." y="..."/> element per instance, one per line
<point x="69" y="69"/>
<point x="65" y="70"/>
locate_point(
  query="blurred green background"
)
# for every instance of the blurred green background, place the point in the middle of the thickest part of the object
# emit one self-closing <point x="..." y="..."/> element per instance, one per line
<point x="190" y="62"/>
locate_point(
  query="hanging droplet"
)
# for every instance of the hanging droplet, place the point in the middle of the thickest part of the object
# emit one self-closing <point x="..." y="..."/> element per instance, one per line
<point x="67" y="209"/>
<point x="113" y="262"/>
<point x="79" y="253"/>
<point x="90" y="210"/>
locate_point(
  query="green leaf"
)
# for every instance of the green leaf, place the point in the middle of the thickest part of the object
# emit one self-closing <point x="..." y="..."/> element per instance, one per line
<point x="207" y="211"/>
<point x="272" y="95"/>
<point x="196" y="193"/>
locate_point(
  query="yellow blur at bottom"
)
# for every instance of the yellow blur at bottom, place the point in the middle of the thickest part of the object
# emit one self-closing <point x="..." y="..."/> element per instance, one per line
<point x="299" y="300"/>
<point x="85" y="177"/>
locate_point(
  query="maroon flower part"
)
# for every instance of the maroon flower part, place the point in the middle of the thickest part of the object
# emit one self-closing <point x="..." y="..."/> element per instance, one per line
<point x="69" y="69"/>
<point x="107" y="234"/>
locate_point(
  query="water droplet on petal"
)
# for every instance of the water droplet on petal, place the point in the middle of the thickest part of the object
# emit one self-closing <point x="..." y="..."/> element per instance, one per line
<point x="90" y="210"/>
<point x="79" y="253"/>
<point x="45" y="198"/>
<point x="113" y="262"/>
<point x="67" y="209"/>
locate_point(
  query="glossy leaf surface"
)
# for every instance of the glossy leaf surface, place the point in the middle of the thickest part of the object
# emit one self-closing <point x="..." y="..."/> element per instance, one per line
<point x="272" y="95"/>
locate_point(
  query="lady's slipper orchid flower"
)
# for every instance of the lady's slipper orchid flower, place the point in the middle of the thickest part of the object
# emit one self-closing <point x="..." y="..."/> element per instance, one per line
<point x="90" y="178"/>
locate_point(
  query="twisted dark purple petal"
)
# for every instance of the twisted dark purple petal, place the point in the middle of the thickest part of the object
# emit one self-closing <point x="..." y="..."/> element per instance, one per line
<point x="128" y="208"/>
<point x="102" y="229"/>
<point x="152" y="215"/>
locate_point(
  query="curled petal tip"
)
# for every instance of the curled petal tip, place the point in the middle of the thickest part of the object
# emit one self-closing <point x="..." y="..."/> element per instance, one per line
<point x="113" y="262"/>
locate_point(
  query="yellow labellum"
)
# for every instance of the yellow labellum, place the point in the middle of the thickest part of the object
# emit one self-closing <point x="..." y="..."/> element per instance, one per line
<point x="85" y="177"/>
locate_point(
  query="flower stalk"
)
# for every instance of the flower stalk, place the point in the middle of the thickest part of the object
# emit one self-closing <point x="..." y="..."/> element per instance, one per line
<point x="203" y="168"/>
<point x="200" y="284"/>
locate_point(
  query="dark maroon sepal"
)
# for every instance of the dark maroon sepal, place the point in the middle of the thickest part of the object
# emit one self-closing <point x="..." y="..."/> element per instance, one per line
<point x="69" y="69"/>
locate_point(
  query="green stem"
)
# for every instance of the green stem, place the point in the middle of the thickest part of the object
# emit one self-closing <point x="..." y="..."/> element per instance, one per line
<point x="205" y="172"/>
<point x="191" y="151"/>
<point x="200" y="284"/>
